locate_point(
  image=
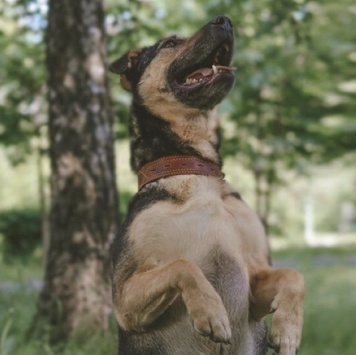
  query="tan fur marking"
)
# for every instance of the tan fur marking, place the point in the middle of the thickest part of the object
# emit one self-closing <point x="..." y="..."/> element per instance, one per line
<point x="125" y="83"/>
<point x="153" y="85"/>
<point x="131" y="57"/>
<point x="200" y="131"/>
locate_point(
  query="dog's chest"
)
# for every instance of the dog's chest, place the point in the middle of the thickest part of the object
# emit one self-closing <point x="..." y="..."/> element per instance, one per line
<point x="191" y="230"/>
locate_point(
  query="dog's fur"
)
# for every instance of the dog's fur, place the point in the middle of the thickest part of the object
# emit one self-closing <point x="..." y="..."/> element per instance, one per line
<point x="191" y="272"/>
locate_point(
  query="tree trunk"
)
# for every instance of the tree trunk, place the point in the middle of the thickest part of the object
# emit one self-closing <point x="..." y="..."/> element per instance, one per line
<point x="264" y="184"/>
<point x="42" y="202"/>
<point x="76" y="294"/>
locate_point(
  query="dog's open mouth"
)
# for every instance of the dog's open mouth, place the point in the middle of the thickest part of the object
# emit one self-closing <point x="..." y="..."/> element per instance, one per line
<point x="206" y="71"/>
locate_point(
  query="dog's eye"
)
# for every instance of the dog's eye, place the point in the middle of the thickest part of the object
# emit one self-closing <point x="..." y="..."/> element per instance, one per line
<point x="170" y="43"/>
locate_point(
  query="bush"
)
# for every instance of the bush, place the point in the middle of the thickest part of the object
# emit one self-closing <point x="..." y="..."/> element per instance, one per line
<point x="21" y="230"/>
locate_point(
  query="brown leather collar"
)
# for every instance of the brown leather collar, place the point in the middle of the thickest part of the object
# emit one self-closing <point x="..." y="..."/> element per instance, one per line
<point x="176" y="165"/>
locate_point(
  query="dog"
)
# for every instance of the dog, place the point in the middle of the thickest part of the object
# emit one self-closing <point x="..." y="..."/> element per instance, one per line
<point x="191" y="272"/>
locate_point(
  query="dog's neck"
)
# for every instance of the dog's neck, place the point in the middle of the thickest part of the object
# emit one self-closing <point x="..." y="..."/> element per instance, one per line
<point x="153" y="138"/>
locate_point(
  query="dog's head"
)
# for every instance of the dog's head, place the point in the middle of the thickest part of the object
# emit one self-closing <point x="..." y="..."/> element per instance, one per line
<point x="181" y="73"/>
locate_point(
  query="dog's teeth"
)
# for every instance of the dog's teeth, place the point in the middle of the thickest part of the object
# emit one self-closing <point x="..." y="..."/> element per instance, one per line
<point x="192" y="81"/>
<point x="215" y="69"/>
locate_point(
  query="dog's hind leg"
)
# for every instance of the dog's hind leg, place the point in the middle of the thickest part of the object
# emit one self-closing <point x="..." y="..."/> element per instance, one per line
<point x="281" y="292"/>
<point x="148" y="293"/>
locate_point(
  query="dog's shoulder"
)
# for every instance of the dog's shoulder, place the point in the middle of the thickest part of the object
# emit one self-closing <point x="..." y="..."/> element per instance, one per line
<point x="141" y="201"/>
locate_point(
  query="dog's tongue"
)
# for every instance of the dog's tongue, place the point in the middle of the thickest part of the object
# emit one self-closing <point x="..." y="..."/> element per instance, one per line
<point x="209" y="71"/>
<point x="203" y="72"/>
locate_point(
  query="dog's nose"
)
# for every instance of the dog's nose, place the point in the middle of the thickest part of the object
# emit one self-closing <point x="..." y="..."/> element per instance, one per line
<point x="222" y="21"/>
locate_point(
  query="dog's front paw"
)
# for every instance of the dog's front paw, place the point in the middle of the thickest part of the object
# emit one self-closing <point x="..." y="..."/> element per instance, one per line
<point x="284" y="344"/>
<point x="213" y="325"/>
<point x="210" y="319"/>
<point x="286" y="331"/>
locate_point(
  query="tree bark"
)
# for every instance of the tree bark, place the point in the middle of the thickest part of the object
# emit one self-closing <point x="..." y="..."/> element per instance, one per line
<point x="84" y="215"/>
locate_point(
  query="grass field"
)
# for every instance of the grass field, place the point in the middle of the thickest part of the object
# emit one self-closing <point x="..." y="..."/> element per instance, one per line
<point x="330" y="307"/>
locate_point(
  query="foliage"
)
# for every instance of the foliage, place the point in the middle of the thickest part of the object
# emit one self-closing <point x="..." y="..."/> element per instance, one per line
<point x="335" y="52"/>
<point x="21" y="230"/>
<point x="22" y="91"/>
<point x="293" y="98"/>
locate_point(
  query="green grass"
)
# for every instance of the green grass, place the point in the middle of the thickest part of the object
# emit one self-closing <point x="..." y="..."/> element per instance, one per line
<point x="330" y="307"/>
<point x="16" y="314"/>
<point x="21" y="270"/>
<point x="329" y="310"/>
<point x="17" y="308"/>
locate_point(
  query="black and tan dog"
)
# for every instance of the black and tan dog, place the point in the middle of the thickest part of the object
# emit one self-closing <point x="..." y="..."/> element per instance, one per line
<point x="191" y="273"/>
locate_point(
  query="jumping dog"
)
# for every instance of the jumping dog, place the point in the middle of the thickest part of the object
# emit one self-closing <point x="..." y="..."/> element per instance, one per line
<point x="190" y="265"/>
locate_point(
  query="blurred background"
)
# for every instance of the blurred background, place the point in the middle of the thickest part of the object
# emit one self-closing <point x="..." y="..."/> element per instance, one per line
<point x="289" y="143"/>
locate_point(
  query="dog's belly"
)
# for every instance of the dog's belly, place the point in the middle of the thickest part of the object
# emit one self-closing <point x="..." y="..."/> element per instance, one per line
<point x="173" y="332"/>
<point x="205" y="232"/>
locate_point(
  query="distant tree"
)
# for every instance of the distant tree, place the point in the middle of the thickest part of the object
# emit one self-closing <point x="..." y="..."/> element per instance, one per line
<point x="84" y="215"/>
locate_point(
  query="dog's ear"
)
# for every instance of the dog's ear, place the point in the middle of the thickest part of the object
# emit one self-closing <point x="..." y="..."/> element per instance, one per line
<point x="124" y="67"/>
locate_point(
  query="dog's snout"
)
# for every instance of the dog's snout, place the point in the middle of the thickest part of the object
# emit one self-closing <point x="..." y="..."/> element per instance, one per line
<point x="222" y="21"/>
